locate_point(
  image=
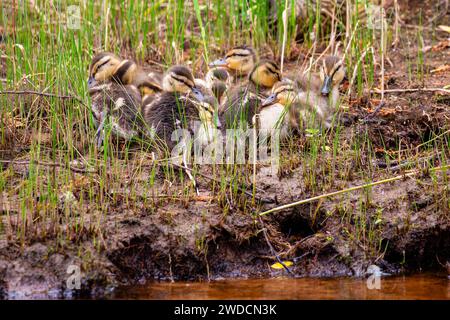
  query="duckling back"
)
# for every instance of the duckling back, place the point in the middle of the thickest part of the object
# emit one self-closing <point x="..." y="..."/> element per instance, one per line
<point x="113" y="97"/>
<point x="171" y="111"/>
<point x="121" y="104"/>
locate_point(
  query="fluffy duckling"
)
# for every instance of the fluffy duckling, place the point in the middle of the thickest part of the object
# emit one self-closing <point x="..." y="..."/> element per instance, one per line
<point x="242" y="103"/>
<point x="149" y="83"/>
<point x="274" y="112"/>
<point x="113" y="95"/>
<point x="286" y="107"/>
<point x="322" y="93"/>
<point x="180" y="105"/>
<point x="240" y="61"/>
<point x="332" y="73"/>
<point x="127" y="72"/>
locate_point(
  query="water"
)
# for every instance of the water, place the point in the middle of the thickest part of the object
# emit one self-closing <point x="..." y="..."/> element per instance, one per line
<point x="398" y="287"/>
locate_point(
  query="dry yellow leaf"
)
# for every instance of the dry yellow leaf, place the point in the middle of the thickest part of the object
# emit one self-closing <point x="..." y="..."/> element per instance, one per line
<point x="278" y="265"/>
<point x="444" y="28"/>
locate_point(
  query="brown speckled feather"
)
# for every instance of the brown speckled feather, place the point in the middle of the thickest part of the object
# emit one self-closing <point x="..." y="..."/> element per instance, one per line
<point x="122" y="104"/>
<point x="167" y="112"/>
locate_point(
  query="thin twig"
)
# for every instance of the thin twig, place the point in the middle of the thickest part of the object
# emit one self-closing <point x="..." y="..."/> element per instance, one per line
<point x="46" y="164"/>
<point x="375" y="112"/>
<point x="412" y="90"/>
<point x="331" y="194"/>
<point x="51" y="95"/>
<point x="264" y="230"/>
<point x="407" y="163"/>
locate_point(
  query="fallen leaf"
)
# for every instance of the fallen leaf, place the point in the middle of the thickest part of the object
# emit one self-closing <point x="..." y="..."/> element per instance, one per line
<point x="444" y="28"/>
<point x="442" y="68"/>
<point x="279" y="266"/>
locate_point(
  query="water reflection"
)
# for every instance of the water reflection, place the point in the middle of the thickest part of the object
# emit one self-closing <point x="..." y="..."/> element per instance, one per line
<point x="400" y="287"/>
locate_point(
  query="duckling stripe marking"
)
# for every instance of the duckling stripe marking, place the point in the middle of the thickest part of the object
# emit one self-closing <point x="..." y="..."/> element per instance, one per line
<point x="182" y="80"/>
<point x="123" y="69"/>
<point x="102" y="64"/>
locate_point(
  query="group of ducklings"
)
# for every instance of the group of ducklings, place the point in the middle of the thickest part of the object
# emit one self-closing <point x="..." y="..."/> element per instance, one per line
<point x="238" y="91"/>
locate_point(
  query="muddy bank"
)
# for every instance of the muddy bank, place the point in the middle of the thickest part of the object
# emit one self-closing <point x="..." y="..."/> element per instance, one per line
<point x="198" y="241"/>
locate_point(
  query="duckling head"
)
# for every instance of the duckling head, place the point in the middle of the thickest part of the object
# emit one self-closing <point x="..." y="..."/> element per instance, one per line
<point x="180" y="79"/>
<point x="217" y="74"/>
<point x="283" y="92"/>
<point x="106" y="67"/>
<point x="332" y="73"/>
<point x="240" y="59"/>
<point x="266" y="73"/>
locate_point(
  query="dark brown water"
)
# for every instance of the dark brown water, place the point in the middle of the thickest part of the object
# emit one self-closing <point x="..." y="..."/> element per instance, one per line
<point x="399" y="287"/>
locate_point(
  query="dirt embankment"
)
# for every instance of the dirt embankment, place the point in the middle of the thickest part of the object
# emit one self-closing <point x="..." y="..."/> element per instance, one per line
<point x="199" y="242"/>
<point x="401" y="226"/>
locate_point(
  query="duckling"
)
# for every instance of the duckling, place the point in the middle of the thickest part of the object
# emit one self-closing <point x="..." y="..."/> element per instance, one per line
<point x="240" y="61"/>
<point x="113" y="96"/>
<point x="181" y="104"/>
<point x="219" y="90"/>
<point x="322" y="92"/>
<point x="315" y="99"/>
<point x="285" y="107"/>
<point x="149" y="86"/>
<point x="241" y="104"/>
<point x="274" y="111"/>
<point x="206" y="91"/>
<point x="332" y="73"/>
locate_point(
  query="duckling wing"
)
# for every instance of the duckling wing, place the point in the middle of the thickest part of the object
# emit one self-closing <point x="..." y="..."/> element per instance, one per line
<point x="121" y="104"/>
<point x="124" y="111"/>
<point x="167" y="113"/>
<point x="308" y="82"/>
